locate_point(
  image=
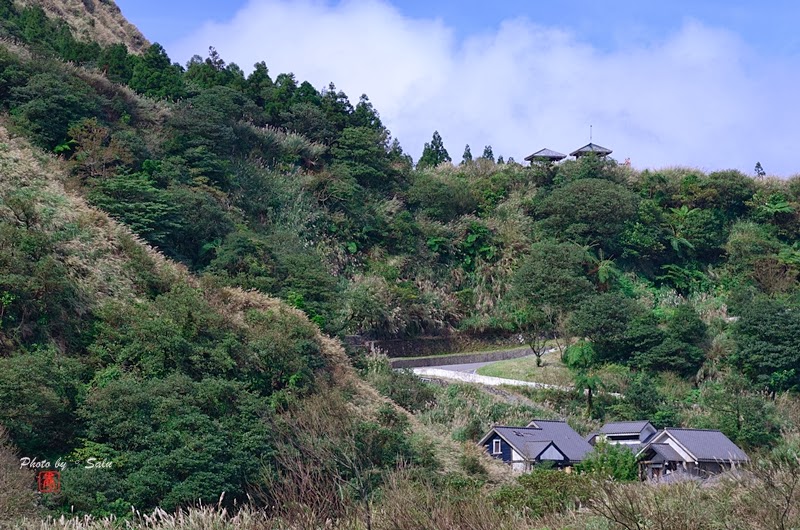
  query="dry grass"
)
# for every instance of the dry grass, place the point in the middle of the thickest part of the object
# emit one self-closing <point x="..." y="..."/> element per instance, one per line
<point x="767" y="497"/>
<point x="17" y="496"/>
<point x="98" y="20"/>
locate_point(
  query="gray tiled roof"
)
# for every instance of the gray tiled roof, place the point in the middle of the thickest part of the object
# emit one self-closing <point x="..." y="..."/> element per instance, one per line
<point x="624" y="427"/>
<point x="534" y="449"/>
<point x="669" y="454"/>
<point x="527" y="440"/>
<point x="546" y="153"/>
<point x="591" y="148"/>
<point x="708" y="445"/>
<point x="562" y="435"/>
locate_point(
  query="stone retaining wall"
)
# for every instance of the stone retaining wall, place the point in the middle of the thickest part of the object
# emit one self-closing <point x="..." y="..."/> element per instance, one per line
<point x="465" y="358"/>
<point x="427" y="346"/>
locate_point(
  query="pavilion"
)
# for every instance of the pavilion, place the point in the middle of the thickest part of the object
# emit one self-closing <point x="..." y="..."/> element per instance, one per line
<point x="599" y="150"/>
<point x="545" y="155"/>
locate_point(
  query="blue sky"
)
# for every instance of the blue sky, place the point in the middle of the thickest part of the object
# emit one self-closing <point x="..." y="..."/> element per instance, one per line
<point x="706" y="84"/>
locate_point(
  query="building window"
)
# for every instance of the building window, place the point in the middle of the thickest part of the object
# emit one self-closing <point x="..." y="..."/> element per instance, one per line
<point x="496" y="450"/>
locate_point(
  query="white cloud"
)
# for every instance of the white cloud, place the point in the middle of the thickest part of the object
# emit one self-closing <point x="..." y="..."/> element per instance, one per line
<point x="697" y="97"/>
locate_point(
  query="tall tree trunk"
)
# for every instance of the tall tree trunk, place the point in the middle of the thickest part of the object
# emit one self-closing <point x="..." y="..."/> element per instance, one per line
<point x="589" y="401"/>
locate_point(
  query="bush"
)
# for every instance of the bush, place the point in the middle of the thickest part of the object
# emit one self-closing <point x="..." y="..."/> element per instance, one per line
<point x="401" y="386"/>
<point x="610" y="461"/>
<point x="545" y="491"/>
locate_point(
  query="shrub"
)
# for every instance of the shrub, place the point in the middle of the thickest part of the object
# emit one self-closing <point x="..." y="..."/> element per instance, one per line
<point x="401" y="386"/>
<point x="545" y="491"/>
<point x="610" y="461"/>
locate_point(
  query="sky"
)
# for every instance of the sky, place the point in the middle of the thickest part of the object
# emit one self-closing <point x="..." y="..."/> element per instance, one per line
<point x="706" y="84"/>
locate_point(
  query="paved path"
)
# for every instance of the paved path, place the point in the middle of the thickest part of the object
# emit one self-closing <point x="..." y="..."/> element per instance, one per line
<point x="439" y="373"/>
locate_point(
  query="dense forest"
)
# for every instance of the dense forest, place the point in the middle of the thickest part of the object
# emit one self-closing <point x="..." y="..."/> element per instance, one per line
<point x="179" y="243"/>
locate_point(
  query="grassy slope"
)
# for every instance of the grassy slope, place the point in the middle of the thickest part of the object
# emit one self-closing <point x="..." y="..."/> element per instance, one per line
<point x="98" y="20"/>
<point x="552" y="371"/>
<point x="99" y="253"/>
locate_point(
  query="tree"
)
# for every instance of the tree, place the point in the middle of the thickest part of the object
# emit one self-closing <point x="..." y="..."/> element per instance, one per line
<point x="581" y="358"/>
<point x="96" y="153"/>
<point x="766" y="335"/>
<point x="686" y="325"/>
<point x="610" y="461"/>
<point x="116" y="63"/>
<point x="487" y="153"/>
<point x="259" y="84"/>
<point x="738" y="411"/>
<point x="365" y="115"/>
<point x="677" y="221"/>
<point x="535" y="329"/>
<point x="181" y="441"/>
<point x="135" y="200"/>
<point x="49" y="104"/>
<point x="671" y="355"/>
<point x="759" y="171"/>
<point x="552" y="274"/>
<point x="548" y="285"/>
<point x="399" y="159"/>
<point x="40" y="403"/>
<point x="434" y="153"/>
<point x="154" y="75"/>
<point x="590" y="212"/>
<point x="362" y="150"/>
<point x="604" y="319"/>
<point x="466" y="158"/>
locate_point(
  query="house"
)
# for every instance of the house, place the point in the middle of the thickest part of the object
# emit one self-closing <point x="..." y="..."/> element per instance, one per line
<point x="599" y="150"/>
<point x="545" y="155"/>
<point x="696" y="452"/>
<point x="634" y="434"/>
<point x="540" y="441"/>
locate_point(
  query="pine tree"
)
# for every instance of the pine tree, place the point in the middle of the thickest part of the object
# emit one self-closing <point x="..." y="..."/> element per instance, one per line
<point x="487" y="153"/>
<point x="434" y="153"/>
<point x="466" y="158"/>
<point x="500" y="160"/>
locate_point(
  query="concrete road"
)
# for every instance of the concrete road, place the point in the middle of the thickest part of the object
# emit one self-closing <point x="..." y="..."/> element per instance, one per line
<point x="469" y="368"/>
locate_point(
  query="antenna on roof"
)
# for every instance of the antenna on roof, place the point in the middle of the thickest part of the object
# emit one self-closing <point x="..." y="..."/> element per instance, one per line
<point x="590" y="134"/>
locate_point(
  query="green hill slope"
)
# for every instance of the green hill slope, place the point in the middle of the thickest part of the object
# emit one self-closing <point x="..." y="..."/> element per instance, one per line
<point x="179" y="242"/>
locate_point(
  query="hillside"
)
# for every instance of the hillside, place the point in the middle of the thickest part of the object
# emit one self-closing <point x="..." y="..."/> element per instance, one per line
<point x="182" y="247"/>
<point x="136" y="338"/>
<point x="93" y="20"/>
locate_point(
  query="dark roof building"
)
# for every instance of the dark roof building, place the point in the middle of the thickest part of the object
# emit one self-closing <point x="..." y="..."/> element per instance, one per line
<point x="665" y="453"/>
<point x="545" y="155"/>
<point x="541" y="440"/>
<point x="625" y="427"/>
<point x="707" y="445"/>
<point x="599" y="150"/>
<point x="697" y="452"/>
<point x="631" y="434"/>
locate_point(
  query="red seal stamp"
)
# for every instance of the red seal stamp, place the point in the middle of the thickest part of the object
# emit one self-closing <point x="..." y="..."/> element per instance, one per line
<point x="49" y="481"/>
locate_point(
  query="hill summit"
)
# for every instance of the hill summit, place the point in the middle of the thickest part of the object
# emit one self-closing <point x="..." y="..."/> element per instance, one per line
<point x="101" y="21"/>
